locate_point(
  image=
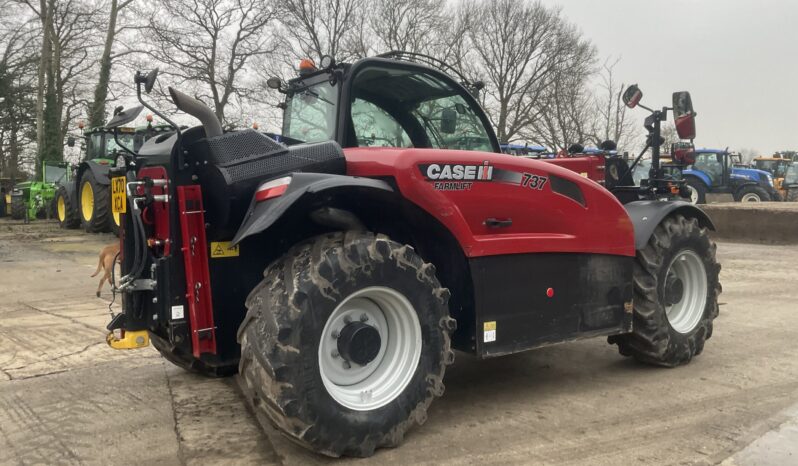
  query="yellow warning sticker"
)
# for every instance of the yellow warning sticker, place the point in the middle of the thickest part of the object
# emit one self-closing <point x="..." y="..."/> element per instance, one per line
<point x="489" y="329"/>
<point x="223" y="249"/>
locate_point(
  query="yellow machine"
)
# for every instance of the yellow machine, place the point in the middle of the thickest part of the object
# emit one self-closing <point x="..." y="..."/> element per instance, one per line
<point x="777" y="166"/>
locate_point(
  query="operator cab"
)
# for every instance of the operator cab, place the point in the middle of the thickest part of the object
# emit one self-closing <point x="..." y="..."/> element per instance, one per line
<point x="715" y="165"/>
<point x="385" y="103"/>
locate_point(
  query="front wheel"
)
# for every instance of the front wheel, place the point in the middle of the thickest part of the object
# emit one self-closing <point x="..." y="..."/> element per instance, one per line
<point x="676" y="290"/>
<point x="752" y="194"/>
<point x="792" y="195"/>
<point x="65" y="210"/>
<point x="95" y="202"/>
<point x="345" y="343"/>
<point x="697" y="190"/>
<point x="18" y="208"/>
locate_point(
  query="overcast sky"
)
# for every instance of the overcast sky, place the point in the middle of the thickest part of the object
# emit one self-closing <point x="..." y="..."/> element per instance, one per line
<point x="738" y="59"/>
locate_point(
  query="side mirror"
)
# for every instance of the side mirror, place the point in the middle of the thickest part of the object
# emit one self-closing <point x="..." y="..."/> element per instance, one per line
<point x="684" y="115"/>
<point x="150" y="82"/>
<point x="71" y="141"/>
<point x="274" y="83"/>
<point x="632" y="96"/>
<point x="124" y="117"/>
<point x="448" y="121"/>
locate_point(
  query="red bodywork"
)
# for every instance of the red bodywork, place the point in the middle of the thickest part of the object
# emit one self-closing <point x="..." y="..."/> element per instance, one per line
<point x="542" y="220"/>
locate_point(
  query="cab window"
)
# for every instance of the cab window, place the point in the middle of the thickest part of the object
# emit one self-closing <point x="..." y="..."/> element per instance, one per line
<point x="374" y="127"/>
<point x="452" y="124"/>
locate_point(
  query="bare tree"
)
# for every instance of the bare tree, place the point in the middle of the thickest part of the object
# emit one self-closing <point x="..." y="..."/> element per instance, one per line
<point x="18" y="62"/>
<point x="207" y="45"/>
<point x="97" y="107"/>
<point x="323" y="27"/>
<point x="522" y="47"/>
<point x="409" y="25"/>
<point x="611" y="118"/>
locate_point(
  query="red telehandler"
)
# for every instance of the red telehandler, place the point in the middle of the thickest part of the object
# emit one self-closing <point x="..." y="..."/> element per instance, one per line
<point x="338" y="272"/>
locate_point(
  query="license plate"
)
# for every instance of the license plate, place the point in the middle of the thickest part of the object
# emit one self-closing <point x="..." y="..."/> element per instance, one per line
<point x="118" y="196"/>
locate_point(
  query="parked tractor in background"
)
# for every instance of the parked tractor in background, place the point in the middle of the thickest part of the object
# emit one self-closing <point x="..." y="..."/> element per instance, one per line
<point x="34" y="199"/>
<point x="777" y="167"/>
<point x="714" y="172"/>
<point x="791" y="183"/>
<point x="86" y="201"/>
<point x="522" y="150"/>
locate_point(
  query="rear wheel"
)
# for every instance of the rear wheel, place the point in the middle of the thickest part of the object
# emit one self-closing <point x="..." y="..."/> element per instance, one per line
<point x="792" y="195"/>
<point x="697" y="190"/>
<point x="345" y="343"/>
<point x="18" y="208"/>
<point x="187" y="361"/>
<point x="95" y="203"/>
<point x="676" y="292"/>
<point x="65" y="212"/>
<point x="752" y="194"/>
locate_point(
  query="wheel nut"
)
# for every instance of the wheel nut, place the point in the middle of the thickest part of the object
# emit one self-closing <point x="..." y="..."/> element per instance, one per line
<point x="364" y="317"/>
<point x="347" y="365"/>
<point x="334" y="354"/>
<point x="335" y="334"/>
<point x="347" y="319"/>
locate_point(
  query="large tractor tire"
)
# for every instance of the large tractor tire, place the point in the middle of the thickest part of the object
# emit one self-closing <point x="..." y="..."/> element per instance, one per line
<point x="792" y="195"/>
<point x="698" y="191"/>
<point x="345" y="343"/>
<point x="187" y="361"/>
<point x="66" y="213"/>
<point x="115" y="223"/>
<point x="18" y="208"/>
<point x="94" y="202"/>
<point x="676" y="290"/>
<point x="752" y="193"/>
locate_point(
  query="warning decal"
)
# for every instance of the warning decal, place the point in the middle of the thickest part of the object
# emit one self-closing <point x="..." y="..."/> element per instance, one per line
<point x="223" y="249"/>
<point x="489" y="331"/>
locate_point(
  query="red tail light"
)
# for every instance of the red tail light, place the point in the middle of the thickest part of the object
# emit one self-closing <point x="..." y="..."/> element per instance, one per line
<point x="272" y="189"/>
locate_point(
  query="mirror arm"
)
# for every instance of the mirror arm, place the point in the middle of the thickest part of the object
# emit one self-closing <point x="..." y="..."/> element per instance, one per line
<point x="634" y="164"/>
<point x="125" y="148"/>
<point x="155" y="111"/>
<point x="644" y="107"/>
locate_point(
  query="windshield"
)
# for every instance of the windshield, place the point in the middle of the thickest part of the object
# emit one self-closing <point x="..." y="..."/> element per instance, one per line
<point x="310" y="113"/>
<point x="110" y="145"/>
<point x="792" y="174"/>
<point x="774" y="167"/>
<point x="641" y="171"/>
<point x="54" y="174"/>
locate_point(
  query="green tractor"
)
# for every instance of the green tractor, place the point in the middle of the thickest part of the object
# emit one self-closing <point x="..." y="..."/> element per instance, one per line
<point x="86" y="201"/>
<point x="34" y="199"/>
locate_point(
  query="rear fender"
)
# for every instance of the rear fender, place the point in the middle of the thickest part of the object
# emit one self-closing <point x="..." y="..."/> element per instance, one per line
<point x="262" y="215"/>
<point x="99" y="171"/>
<point x="646" y="215"/>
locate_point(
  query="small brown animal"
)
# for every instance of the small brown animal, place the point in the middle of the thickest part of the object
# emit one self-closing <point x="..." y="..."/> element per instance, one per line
<point x="106" y="264"/>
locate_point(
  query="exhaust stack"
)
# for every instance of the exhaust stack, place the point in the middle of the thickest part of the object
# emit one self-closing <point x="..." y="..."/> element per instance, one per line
<point x="199" y="111"/>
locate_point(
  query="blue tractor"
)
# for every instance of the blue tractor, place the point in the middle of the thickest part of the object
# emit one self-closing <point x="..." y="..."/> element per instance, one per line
<point x="715" y="172"/>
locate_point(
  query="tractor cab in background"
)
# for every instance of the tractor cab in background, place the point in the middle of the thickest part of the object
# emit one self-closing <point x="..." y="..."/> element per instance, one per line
<point x="791" y="183"/>
<point x="523" y="150"/>
<point x="777" y="166"/>
<point x="714" y="172"/>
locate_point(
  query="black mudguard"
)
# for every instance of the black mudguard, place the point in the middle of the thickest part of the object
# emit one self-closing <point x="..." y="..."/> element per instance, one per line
<point x="99" y="171"/>
<point x="646" y="215"/>
<point x="261" y="215"/>
<point x="71" y="192"/>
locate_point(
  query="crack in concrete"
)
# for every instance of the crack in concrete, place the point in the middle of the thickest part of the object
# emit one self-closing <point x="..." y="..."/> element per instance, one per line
<point x="74" y="321"/>
<point x="51" y="359"/>
<point x="181" y="455"/>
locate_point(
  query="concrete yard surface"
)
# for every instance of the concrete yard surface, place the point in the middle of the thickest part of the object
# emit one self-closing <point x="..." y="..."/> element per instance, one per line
<point x="66" y="398"/>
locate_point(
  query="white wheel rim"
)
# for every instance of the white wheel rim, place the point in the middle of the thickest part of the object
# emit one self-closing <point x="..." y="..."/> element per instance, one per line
<point x="685" y="314"/>
<point x="368" y="387"/>
<point x="693" y="194"/>
<point x="751" y="197"/>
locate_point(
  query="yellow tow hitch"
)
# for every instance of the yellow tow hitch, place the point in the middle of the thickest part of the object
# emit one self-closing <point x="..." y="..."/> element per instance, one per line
<point x="122" y="339"/>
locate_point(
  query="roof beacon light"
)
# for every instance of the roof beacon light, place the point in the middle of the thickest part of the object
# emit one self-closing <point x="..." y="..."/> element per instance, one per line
<point x="306" y="66"/>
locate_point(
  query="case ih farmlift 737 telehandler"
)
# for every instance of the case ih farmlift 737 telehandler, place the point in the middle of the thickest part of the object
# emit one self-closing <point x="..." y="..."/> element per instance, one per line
<point x="339" y="282"/>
